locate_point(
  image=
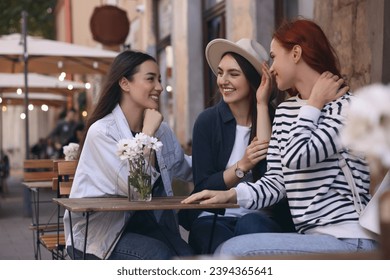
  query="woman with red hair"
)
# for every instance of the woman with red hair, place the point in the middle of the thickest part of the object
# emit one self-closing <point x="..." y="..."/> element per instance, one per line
<point x="304" y="155"/>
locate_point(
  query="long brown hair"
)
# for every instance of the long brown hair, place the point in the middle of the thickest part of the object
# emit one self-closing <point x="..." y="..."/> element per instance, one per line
<point x="254" y="79"/>
<point x="126" y="64"/>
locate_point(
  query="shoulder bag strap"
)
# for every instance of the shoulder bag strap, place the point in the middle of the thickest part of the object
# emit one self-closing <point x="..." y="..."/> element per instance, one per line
<point x="351" y="182"/>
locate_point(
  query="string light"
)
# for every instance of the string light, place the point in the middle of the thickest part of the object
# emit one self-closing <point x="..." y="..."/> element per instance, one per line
<point x="62" y="76"/>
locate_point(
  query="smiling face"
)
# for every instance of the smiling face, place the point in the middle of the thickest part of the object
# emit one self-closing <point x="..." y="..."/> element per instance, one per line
<point x="145" y="86"/>
<point x="231" y="80"/>
<point x="283" y="66"/>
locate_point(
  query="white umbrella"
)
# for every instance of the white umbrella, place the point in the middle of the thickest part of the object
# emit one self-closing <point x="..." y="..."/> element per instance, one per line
<point x="43" y="89"/>
<point x="38" y="83"/>
<point x="50" y="56"/>
<point x="37" y="99"/>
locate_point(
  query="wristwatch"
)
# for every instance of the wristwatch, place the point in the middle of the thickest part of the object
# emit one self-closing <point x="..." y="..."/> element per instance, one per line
<point x="239" y="172"/>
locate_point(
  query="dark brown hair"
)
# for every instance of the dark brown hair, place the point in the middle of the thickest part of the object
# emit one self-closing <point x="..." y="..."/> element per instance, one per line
<point x="254" y="79"/>
<point x="126" y="64"/>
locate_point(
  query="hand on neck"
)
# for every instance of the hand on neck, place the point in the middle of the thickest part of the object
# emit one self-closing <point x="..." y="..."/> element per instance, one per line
<point x="305" y="81"/>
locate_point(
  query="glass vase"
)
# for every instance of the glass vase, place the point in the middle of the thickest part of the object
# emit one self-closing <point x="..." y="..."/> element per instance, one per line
<point x="139" y="187"/>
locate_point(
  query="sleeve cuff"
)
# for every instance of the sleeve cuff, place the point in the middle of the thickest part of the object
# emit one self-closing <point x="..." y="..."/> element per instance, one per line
<point x="244" y="198"/>
<point x="309" y="112"/>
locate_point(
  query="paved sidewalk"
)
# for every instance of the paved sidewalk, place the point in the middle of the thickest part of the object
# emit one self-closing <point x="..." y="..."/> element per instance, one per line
<point x="16" y="239"/>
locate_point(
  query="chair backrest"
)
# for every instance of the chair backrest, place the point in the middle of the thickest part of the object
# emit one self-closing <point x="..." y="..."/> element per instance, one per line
<point x="384" y="210"/>
<point x="66" y="171"/>
<point x="55" y="169"/>
<point x="38" y="170"/>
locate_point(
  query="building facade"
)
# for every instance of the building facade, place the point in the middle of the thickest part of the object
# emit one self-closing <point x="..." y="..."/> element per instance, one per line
<point x="177" y="31"/>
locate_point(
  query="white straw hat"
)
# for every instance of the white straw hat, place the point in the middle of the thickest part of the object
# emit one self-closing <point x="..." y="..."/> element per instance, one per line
<point x="247" y="48"/>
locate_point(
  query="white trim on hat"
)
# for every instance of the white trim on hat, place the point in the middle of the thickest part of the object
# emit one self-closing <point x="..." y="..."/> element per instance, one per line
<point x="251" y="50"/>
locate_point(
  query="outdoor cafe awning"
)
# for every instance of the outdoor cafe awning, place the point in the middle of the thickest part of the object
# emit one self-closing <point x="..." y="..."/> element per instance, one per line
<point x="50" y="56"/>
<point x="38" y="83"/>
<point x="36" y="99"/>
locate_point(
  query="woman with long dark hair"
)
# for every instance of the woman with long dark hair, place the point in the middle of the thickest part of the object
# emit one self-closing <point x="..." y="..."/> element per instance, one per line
<point x="304" y="155"/>
<point x="128" y="104"/>
<point x="230" y="142"/>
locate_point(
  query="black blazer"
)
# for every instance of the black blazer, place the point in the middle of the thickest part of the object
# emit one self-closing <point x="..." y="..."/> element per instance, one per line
<point x="213" y="139"/>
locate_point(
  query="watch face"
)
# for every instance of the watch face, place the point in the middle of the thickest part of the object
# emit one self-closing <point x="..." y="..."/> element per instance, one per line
<point x="239" y="173"/>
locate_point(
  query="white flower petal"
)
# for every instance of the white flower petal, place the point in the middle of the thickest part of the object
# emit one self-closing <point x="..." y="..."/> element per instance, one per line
<point x="367" y="128"/>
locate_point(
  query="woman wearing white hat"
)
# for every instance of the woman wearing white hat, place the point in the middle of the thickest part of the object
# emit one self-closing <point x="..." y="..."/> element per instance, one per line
<point x="305" y="155"/>
<point x="230" y="141"/>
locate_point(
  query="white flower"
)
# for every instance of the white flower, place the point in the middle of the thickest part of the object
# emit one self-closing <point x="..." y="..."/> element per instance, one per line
<point x="142" y="138"/>
<point x="133" y="149"/>
<point x="71" y="151"/>
<point x="137" y="151"/>
<point x="155" y="144"/>
<point x="368" y="124"/>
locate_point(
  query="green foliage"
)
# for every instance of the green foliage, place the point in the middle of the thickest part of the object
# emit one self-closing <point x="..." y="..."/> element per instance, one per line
<point x="40" y="19"/>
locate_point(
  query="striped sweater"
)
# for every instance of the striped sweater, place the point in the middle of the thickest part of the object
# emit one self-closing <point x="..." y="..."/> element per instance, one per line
<point x="303" y="163"/>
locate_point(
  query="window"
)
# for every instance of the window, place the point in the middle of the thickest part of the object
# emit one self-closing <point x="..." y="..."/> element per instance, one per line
<point x="163" y="27"/>
<point x="214" y="26"/>
<point x="289" y="9"/>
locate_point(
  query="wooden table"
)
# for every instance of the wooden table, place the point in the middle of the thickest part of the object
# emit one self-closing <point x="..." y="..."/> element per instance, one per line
<point x="112" y="204"/>
<point x="38" y="184"/>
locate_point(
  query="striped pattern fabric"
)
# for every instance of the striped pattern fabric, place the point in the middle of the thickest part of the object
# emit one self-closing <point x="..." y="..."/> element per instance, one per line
<point x="304" y="165"/>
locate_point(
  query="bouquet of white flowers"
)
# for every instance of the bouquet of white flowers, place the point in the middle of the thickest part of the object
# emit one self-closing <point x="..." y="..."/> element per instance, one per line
<point x="139" y="152"/>
<point x="368" y="125"/>
<point x="71" y="151"/>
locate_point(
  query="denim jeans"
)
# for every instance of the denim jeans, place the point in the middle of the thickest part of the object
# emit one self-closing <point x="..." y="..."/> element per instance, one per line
<point x="133" y="246"/>
<point x="145" y="239"/>
<point x="291" y="243"/>
<point x="226" y="228"/>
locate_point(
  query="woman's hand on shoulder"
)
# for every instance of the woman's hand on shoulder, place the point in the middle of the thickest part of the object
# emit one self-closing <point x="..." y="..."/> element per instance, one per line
<point x="152" y="121"/>
<point x="263" y="93"/>
<point x="208" y="197"/>
<point x="327" y="88"/>
<point x="255" y="152"/>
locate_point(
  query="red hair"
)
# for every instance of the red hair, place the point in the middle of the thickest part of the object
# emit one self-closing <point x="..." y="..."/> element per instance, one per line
<point x="317" y="52"/>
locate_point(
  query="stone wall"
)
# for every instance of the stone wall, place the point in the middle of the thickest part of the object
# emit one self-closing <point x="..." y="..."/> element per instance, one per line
<point x="345" y="22"/>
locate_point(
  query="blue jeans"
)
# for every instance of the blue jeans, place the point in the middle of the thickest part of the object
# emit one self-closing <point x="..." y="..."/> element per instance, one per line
<point x="133" y="246"/>
<point x="291" y="243"/>
<point x="145" y="239"/>
<point x="226" y="228"/>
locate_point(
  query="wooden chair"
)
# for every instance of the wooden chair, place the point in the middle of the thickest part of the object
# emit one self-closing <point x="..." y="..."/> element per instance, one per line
<point x="55" y="243"/>
<point x="37" y="175"/>
<point x="37" y="170"/>
<point x="384" y="210"/>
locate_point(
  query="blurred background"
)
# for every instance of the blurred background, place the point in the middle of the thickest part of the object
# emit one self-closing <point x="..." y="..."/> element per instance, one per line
<point x="176" y="33"/>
